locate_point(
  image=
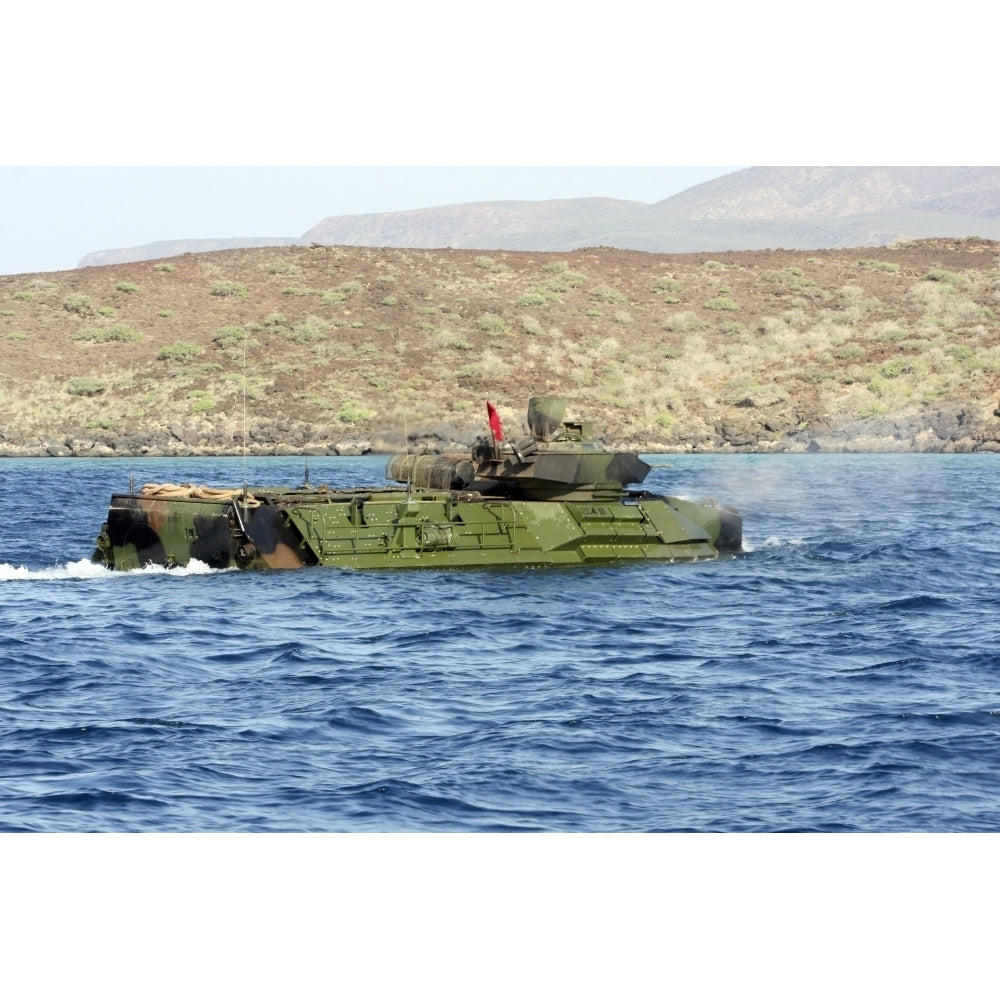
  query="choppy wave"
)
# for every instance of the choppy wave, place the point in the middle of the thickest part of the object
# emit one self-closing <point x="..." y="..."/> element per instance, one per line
<point x="840" y="675"/>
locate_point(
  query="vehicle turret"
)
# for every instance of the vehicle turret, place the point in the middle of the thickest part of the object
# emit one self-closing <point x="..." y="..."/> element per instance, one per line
<point x="559" y="460"/>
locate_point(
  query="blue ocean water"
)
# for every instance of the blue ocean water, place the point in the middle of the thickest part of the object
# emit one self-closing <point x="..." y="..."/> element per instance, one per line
<point x="842" y="674"/>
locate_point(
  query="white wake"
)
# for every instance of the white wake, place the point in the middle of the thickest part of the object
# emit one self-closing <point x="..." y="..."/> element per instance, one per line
<point x="84" y="569"/>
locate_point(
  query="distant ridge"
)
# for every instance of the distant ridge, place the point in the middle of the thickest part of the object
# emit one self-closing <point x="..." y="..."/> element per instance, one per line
<point x="838" y="192"/>
<point x="754" y="209"/>
<point x="174" y="248"/>
<point x="558" y="224"/>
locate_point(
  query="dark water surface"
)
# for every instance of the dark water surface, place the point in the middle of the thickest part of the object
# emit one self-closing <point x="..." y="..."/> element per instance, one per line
<point x="841" y="675"/>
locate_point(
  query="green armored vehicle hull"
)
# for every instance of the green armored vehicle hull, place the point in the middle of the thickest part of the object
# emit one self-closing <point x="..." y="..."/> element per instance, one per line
<point x="553" y="499"/>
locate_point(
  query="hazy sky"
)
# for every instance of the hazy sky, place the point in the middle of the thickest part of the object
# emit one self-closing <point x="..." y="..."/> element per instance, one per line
<point x="440" y="84"/>
<point x="51" y="216"/>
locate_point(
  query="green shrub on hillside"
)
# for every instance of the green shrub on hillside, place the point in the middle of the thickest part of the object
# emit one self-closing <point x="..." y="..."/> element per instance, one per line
<point x="79" y="304"/>
<point x="491" y="323"/>
<point x="721" y="303"/>
<point x="872" y="409"/>
<point x="945" y="277"/>
<point x="877" y="386"/>
<point x="308" y="330"/>
<point x="229" y="336"/>
<point x="668" y="283"/>
<point x="792" y="277"/>
<point x="879" y="265"/>
<point x="379" y="380"/>
<point x="86" y="386"/>
<point x="609" y="295"/>
<point x="889" y="331"/>
<point x="202" y="401"/>
<point x="178" y="351"/>
<point x="126" y="286"/>
<point x="106" y="334"/>
<point x="166" y="267"/>
<point x="352" y="413"/>
<point x="850" y="352"/>
<point x="452" y="341"/>
<point x="897" y="367"/>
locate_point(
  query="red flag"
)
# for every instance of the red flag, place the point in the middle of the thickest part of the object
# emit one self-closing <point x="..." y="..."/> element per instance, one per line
<point x="495" y="426"/>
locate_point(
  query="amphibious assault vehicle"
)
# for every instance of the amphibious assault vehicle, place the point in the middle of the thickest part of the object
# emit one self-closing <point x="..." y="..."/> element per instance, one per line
<point x="553" y="498"/>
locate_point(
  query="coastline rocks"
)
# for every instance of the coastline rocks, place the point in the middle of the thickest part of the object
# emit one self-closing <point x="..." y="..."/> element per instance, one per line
<point x="352" y="448"/>
<point x="743" y="427"/>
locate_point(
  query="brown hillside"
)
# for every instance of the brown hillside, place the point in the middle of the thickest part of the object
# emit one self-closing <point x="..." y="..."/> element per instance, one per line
<point x="347" y="347"/>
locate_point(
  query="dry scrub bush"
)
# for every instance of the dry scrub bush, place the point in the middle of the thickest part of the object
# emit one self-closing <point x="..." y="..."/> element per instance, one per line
<point x="228" y="290"/>
<point x="771" y="325"/>
<point x="683" y="322"/>
<point x="120" y="332"/>
<point x="940" y="300"/>
<point x="449" y="340"/>
<point x="929" y="297"/>
<point x="888" y="330"/>
<point x="606" y="347"/>
<point x="796" y="317"/>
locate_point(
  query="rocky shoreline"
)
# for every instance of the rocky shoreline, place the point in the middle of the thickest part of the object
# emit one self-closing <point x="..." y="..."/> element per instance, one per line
<point x="946" y="429"/>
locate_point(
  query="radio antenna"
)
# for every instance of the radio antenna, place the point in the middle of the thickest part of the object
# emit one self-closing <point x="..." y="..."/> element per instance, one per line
<point x="246" y="337"/>
<point x="406" y="450"/>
